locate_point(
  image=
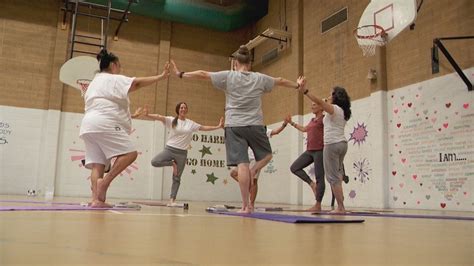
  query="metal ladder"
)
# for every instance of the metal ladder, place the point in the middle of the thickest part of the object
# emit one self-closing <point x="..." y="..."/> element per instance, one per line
<point x="74" y="7"/>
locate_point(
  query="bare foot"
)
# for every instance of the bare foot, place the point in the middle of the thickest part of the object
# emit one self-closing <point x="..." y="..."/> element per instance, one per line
<point x="101" y="190"/>
<point x="253" y="173"/>
<point x="313" y="187"/>
<point x="175" y="169"/>
<point x="316" y="208"/>
<point x="100" y="204"/>
<point x="338" y="210"/>
<point x="251" y="207"/>
<point x="245" y="210"/>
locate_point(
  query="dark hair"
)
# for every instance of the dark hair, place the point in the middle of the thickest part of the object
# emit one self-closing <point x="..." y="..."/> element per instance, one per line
<point x="243" y="55"/>
<point x="342" y="99"/>
<point x="105" y="59"/>
<point x="175" y="120"/>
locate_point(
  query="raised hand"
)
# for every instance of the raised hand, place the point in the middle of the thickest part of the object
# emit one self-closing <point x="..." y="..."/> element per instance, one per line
<point x="221" y="122"/>
<point x="288" y="119"/>
<point x="166" y="70"/>
<point x="145" y="110"/>
<point x="175" y="68"/>
<point x="302" y="83"/>
<point x="138" y="112"/>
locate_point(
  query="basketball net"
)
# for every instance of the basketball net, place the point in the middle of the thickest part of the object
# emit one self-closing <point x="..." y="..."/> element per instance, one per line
<point x="369" y="37"/>
<point x="84" y="84"/>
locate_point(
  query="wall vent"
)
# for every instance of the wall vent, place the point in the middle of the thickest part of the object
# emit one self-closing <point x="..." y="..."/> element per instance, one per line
<point x="334" y="20"/>
<point x="270" y="56"/>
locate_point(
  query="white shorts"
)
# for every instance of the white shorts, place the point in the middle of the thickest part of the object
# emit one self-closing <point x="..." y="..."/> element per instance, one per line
<point x="102" y="147"/>
<point x="252" y="163"/>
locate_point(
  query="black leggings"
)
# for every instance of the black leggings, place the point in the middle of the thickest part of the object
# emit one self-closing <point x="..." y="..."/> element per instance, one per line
<point x="303" y="161"/>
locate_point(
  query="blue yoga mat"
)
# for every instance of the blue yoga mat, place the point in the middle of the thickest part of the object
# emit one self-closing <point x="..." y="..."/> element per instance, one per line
<point x="290" y="218"/>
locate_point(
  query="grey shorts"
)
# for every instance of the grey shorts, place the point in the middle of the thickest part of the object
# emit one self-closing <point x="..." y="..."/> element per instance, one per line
<point x="239" y="139"/>
<point x="333" y="158"/>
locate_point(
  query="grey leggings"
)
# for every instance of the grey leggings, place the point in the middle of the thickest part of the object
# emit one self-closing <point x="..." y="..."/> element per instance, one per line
<point x="303" y="161"/>
<point x="166" y="158"/>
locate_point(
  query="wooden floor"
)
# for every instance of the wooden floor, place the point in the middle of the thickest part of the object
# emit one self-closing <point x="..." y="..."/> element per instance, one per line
<point x="161" y="235"/>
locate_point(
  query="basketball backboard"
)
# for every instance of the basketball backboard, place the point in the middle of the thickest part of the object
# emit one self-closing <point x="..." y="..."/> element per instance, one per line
<point x="392" y="15"/>
<point x="78" y="71"/>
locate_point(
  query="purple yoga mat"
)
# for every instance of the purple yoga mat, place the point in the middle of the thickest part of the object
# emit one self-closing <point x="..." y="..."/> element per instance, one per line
<point x="59" y="208"/>
<point x="41" y="202"/>
<point x="394" y="215"/>
<point x="290" y="218"/>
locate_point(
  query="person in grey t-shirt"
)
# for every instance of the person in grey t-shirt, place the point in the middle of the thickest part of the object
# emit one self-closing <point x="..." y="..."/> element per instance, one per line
<point x="244" y="126"/>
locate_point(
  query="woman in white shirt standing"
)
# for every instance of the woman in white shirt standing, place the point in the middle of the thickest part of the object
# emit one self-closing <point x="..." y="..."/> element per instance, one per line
<point x="106" y="125"/>
<point x="175" y="153"/>
<point x="338" y="111"/>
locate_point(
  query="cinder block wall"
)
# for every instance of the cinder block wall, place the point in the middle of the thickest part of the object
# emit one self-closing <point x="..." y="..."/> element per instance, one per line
<point x="334" y="58"/>
<point x="33" y="46"/>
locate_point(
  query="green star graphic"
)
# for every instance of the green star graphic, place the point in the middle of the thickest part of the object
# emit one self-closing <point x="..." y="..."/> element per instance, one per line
<point x="211" y="178"/>
<point x="205" y="150"/>
<point x="193" y="171"/>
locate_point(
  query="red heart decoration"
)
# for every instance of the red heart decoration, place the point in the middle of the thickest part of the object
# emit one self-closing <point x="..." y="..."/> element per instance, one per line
<point x="395" y="110"/>
<point x="445" y="125"/>
<point x="443" y="205"/>
<point x="439" y="129"/>
<point x="401" y="185"/>
<point x="415" y="177"/>
<point x="399" y="125"/>
<point x="394" y="172"/>
<point x="418" y="202"/>
<point x="448" y="105"/>
<point x="404" y="160"/>
<point x="465" y="106"/>
<point x="409" y="104"/>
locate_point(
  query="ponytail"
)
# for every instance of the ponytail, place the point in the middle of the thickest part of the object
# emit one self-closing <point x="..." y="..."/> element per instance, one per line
<point x="105" y="58"/>
<point x="174" y="123"/>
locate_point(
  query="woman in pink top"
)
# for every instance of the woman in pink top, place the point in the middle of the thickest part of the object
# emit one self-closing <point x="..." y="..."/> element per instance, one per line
<point x="313" y="154"/>
<point x="338" y="111"/>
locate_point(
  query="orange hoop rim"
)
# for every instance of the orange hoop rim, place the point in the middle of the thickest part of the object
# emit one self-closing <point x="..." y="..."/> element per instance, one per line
<point x="381" y="32"/>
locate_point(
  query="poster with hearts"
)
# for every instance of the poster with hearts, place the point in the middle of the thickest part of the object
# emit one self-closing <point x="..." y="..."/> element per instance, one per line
<point x="431" y="144"/>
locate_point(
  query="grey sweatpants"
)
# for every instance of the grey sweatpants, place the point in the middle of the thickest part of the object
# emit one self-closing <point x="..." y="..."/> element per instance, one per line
<point x="166" y="158"/>
<point x="333" y="161"/>
<point x="303" y="161"/>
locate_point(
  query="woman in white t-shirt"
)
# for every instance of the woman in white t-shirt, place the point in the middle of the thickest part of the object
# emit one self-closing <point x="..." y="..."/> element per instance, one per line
<point x="338" y="111"/>
<point x="175" y="153"/>
<point x="106" y="125"/>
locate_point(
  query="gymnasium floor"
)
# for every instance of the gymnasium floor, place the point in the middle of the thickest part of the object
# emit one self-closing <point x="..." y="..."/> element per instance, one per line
<point x="173" y="236"/>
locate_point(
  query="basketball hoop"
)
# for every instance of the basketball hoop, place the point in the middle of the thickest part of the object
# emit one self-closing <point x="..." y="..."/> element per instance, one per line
<point x="84" y="84"/>
<point x="369" y="37"/>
